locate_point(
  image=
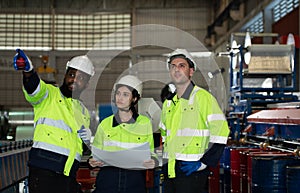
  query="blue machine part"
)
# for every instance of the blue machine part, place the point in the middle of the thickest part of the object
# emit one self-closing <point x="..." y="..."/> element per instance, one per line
<point x="225" y="158"/>
<point x="105" y="110"/>
<point x="269" y="173"/>
<point x="262" y="129"/>
<point x="293" y="178"/>
<point x="280" y="123"/>
<point x="288" y="132"/>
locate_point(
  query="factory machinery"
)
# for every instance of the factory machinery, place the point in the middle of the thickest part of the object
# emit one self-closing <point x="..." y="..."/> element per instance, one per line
<point x="16" y="134"/>
<point x="13" y="164"/>
<point x="260" y="75"/>
<point x="16" y="126"/>
<point x="264" y="119"/>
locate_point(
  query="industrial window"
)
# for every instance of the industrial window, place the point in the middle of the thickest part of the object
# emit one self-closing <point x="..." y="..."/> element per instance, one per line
<point x="25" y="30"/>
<point x="63" y="32"/>
<point x="256" y="25"/>
<point x="284" y="7"/>
<point x="280" y="9"/>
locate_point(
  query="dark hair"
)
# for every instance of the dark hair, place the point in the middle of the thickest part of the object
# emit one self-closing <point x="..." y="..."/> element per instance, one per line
<point x="191" y="64"/>
<point x="134" y="93"/>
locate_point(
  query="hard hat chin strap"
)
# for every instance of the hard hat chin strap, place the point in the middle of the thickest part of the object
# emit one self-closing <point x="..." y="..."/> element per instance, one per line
<point x="126" y="109"/>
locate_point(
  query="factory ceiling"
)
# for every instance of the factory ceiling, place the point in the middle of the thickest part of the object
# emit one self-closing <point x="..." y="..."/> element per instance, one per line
<point x="67" y="6"/>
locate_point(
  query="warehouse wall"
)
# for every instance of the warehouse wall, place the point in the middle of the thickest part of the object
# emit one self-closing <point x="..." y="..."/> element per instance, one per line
<point x="191" y="20"/>
<point x="290" y="24"/>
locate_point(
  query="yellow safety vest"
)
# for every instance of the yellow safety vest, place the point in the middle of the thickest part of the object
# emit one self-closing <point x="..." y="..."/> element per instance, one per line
<point x="125" y="135"/>
<point x="188" y="126"/>
<point x="56" y="121"/>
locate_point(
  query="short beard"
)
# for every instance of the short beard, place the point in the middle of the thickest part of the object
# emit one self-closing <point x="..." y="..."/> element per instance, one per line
<point x="67" y="93"/>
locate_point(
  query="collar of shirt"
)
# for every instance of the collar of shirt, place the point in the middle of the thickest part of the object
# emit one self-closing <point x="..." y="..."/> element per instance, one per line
<point x="117" y="120"/>
<point x="188" y="91"/>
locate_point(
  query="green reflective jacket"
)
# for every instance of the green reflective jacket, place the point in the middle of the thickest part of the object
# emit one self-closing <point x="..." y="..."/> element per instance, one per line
<point x="57" y="120"/>
<point x="189" y="125"/>
<point x="124" y="135"/>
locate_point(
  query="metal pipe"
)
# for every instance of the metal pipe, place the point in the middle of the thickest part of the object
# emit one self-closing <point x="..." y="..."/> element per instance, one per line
<point x="266" y="145"/>
<point x="281" y="149"/>
<point x="21" y="117"/>
<point x="21" y="122"/>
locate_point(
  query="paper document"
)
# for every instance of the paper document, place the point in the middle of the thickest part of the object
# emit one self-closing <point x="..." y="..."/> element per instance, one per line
<point x="129" y="159"/>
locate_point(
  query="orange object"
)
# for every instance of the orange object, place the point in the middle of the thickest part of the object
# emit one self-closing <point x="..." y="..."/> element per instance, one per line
<point x="150" y="178"/>
<point x="214" y="179"/>
<point x="87" y="178"/>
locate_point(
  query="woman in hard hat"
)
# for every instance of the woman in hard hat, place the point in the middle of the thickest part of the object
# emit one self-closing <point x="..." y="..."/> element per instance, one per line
<point x="124" y="130"/>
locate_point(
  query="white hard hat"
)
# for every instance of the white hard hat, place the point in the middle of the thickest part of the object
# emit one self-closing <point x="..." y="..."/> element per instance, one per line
<point x="182" y="52"/>
<point x="132" y="81"/>
<point x="82" y="63"/>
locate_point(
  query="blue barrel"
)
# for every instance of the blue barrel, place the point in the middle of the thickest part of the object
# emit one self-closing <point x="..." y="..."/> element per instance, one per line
<point x="225" y="171"/>
<point x="269" y="173"/>
<point x="225" y="158"/>
<point x="292" y="178"/>
<point x="228" y="174"/>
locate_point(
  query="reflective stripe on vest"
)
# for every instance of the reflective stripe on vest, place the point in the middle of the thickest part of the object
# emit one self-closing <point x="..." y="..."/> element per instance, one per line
<point x="123" y="145"/>
<point x="54" y="148"/>
<point x="185" y="157"/>
<point x="192" y="97"/>
<point x="41" y="100"/>
<point x="55" y="123"/>
<point x="83" y="108"/>
<point x="163" y="127"/>
<point x="60" y="117"/>
<point x="184" y="132"/>
<point x="193" y="132"/>
<point x="216" y="117"/>
<point x="218" y="139"/>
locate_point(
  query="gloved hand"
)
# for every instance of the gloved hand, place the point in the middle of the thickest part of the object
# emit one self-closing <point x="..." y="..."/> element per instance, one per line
<point x="22" y="62"/>
<point x="85" y="134"/>
<point x="188" y="167"/>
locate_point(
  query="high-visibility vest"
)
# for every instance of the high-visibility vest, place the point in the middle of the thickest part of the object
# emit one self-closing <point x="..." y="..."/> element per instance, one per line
<point x="125" y="135"/>
<point x="56" y="121"/>
<point x="188" y="126"/>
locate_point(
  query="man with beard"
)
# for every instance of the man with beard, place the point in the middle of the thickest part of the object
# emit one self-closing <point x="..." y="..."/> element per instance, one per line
<point x="61" y="124"/>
